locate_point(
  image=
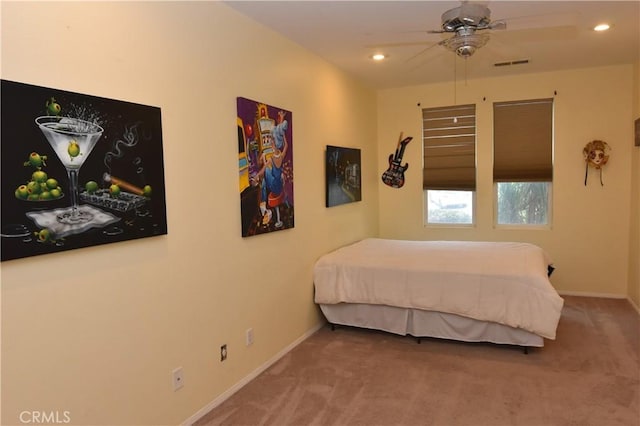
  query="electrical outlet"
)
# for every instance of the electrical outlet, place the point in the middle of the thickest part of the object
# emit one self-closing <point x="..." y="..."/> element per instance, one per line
<point x="223" y="352"/>
<point x="178" y="378"/>
<point x="249" y="337"/>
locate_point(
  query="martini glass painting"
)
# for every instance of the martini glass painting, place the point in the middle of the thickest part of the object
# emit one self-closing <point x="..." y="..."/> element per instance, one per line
<point x="72" y="140"/>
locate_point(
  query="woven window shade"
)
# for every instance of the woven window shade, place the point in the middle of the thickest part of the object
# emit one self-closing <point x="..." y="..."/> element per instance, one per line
<point x="522" y="141"/>
<point x="449" y="141"/>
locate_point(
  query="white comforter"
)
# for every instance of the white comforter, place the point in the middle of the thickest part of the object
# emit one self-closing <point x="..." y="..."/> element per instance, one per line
<point x="500" y="282"/>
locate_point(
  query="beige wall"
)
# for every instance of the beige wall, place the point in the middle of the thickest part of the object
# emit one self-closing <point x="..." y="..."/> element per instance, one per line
<point x="590" y="237"/>
<point x="96" y="332"/>
<point x="634" y="250"/>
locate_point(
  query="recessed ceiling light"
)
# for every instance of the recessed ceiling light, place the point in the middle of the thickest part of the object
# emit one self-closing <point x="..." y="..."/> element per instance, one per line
<point x="378" y="57"/>
<point x="601" y="27"/>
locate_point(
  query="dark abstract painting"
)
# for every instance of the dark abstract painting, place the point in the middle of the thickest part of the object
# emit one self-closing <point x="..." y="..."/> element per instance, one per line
<point x="343" y="175"/>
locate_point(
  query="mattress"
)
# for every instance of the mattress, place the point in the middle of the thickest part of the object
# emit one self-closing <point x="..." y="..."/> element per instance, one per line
<point x="500" y="282"/>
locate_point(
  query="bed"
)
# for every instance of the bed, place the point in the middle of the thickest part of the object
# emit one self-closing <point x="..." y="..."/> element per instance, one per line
<point x="496" y="292"/>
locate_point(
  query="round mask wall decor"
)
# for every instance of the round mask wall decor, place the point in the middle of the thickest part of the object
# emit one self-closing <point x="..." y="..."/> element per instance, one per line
<point x="596" y="155"/>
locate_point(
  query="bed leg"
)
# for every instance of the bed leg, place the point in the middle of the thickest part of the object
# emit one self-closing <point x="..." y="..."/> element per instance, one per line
<point x="333" y="327"/>
<point x="525" y="349"/>
<point x="418" y="340"/>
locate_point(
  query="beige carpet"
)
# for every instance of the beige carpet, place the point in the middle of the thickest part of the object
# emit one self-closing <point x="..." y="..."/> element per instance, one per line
<point x="589" y="375"/>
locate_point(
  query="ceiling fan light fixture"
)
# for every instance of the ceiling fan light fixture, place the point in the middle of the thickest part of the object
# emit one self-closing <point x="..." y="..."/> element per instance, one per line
<point x="465" y="45"/>
<point x="465" y="51"/>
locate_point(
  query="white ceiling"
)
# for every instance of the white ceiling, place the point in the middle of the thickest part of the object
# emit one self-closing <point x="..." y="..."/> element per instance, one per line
<point x="552" y="35"/>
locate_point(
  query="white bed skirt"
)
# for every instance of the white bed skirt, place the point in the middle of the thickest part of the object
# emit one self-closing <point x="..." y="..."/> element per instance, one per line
<point x="420" y="323"/>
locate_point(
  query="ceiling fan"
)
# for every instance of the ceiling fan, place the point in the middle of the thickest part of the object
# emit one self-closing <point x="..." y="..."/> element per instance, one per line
<point x="465" y="22"/>
<point x="465" y="29"/>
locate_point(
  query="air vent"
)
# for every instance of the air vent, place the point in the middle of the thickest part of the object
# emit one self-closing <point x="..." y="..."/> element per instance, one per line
<point x="509" y="63"/>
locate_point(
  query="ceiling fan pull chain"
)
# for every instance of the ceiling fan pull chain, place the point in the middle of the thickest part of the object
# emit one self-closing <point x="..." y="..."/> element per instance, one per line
<point x="455" y="80"/>
<point x="465" y="72"/>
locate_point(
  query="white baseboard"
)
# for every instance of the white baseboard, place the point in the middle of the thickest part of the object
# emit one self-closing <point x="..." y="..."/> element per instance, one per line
<point x="255" y="373"/>
<point x="603" y="295"/>
<point x="588" y="294"/>
<point x="636" y="307"/>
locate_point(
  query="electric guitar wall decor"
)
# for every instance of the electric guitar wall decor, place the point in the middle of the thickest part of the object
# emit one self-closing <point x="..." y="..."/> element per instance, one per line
<point x="394" y="175"/>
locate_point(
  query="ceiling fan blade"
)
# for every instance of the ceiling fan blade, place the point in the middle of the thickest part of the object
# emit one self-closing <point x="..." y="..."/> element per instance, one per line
<point x="500" y="49"/>
<point x="539" y="20"/>
<point x="498" y="25"/>
<point x="398" y="44"/>
<point x="538" y="35"/>
<point x="438" y="63"/>
<point x="423" y="51"/>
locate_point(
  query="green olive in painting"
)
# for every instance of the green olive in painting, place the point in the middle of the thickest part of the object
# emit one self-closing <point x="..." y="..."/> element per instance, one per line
<point x="55" y="193"/>
<point x="114" y="191"/>
<point x="44" y="235"/>
<point x="39" y="176"/>
<point x="36" y="160"/>
<point x="22" y="192"/>
<point x="73" y="149"/>
<point x="91" y="186"/>
<point x="52" y="183"/>
<point x="34" y="187"/>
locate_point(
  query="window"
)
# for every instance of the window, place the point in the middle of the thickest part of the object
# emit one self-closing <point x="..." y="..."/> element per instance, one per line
<point x="449" y="174"/>
<point x="451" y="207"/>
<point x="523" y="203"/>
<point x="523" y="161"/>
